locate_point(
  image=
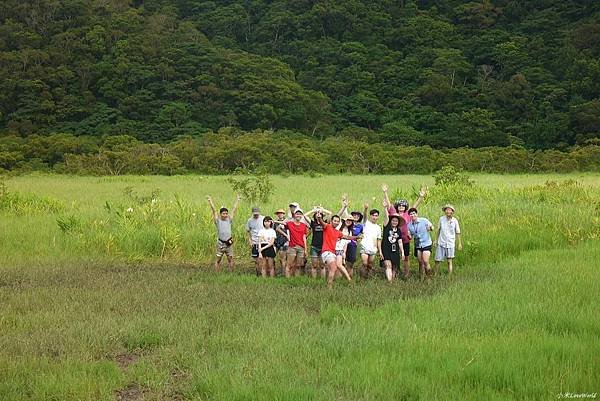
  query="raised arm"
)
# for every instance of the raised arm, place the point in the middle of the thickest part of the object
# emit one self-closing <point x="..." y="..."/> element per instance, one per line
<point x="344" y="204"/>
<point x="422" y="194"/>
<point x="212" y="207"/>
<point x="386" y="214"/>
<point x="386" y="197"/>
<point x="238" y="198"/>
<point x="365" y="212"/>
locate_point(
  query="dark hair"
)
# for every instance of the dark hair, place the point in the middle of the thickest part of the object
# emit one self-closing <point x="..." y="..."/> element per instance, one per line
<point x="268" y="218"/>
<point x="373" y="211"/>
<point x="223" y="209"/>
<point x="412" y="209"/>
<point x="389" y="224"/>
<point x="334" y="216"/>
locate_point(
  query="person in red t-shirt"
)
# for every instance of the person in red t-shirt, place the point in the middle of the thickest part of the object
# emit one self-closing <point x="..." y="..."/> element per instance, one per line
<point x="330" y="237"/>
<point x="296" y="235"/>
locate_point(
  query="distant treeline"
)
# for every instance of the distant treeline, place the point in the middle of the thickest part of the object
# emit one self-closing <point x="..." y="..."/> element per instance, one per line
<point x="279" y="152"/>
<point x="442" y="73"/>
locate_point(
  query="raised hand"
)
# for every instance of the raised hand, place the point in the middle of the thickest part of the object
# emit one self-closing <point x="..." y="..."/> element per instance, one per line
<point x="384" y="188"/>
<point x="366" y="205"/>
<point x="423" y="191"/>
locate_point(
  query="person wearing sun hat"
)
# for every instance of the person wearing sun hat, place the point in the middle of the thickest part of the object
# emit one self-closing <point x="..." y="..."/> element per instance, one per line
<point x="392" y="249"/>
<point x="281" y="241"/>
<point x="448" y="235"/>
<point x="352" y="226"/>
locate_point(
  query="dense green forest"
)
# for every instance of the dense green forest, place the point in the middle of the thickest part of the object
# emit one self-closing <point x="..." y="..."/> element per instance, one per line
<point x="444" y="74"/>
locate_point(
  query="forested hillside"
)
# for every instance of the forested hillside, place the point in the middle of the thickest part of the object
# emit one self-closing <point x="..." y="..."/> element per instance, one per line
<point x="440" y="73"/>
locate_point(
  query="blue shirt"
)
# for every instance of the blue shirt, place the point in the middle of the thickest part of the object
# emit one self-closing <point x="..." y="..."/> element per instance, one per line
<point x="358" y="229"/>
<point x="419" y="231"/>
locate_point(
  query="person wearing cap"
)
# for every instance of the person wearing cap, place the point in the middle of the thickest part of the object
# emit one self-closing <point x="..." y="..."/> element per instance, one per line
<point x="392" y="249"/>
<point x="281" y="241"/>
<point x="330" y="238"/>
<point x="296" y="234"/>
<point x="223" y="221"/>
<point x="448" y="234"/>
<point x="253" y="226"/>
<point x="419" y="228"/>
<point x="401" y="207"/>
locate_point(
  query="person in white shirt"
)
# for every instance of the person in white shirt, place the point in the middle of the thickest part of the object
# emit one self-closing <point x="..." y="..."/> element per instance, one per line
<point x="266" y="248"/>
<point x="448" y="234"/>
<point x="370" y="245"/>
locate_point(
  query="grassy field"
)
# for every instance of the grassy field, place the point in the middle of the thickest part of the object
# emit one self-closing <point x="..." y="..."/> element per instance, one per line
<point x="101" y="304"/>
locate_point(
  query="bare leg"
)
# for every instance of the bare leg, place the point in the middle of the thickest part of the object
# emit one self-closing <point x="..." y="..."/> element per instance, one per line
<point x="230" y="263"/>
<point x="341" y="268"/>
<point x="426" y="255"/>
<point x="289" y="266"/>
<point x="350" y="268"/>
<point x="271" y="267"/>
<point x="365" y="264"/>
<point x="450" y="266"/>
<point x="436" y="267"/>
<point x="314" y="265"/>
<point x="218" y="263"/>
<point x="388" y="270"/>
<point x="406" y="265"/>
<point x="332" y="268"/>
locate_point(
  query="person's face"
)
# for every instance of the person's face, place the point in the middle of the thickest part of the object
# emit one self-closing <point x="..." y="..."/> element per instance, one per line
<point x="401" y="208"/>
<point x="356" y="216"/>
<point x="224" y="215"/>
<point x="348" y="222"/>
<point x="280" y="216"/>
<point x="449" y="212"/>
<point x="255" y="215"/>
<point x="414" y="216"/>
<point x="297" y="216"/>
<point x="394" y="222"/>
<point x="373" y="217"/>
<point x="335" y="221"/>
<point x="267" y="223"/>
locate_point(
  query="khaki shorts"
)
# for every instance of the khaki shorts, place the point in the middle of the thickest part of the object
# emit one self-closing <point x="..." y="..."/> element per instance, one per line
<point x="224" y="249"/>
<point x="297" y="251"/>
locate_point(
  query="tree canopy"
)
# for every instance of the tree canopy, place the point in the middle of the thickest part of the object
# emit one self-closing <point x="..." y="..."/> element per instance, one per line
<point x="445" y="74"/>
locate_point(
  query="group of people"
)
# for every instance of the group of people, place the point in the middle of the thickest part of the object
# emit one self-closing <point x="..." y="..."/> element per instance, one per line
<point x="338" y="240"/>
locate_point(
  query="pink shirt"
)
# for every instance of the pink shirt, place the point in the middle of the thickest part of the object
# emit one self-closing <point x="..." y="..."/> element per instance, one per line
<point x="404" y="229"/>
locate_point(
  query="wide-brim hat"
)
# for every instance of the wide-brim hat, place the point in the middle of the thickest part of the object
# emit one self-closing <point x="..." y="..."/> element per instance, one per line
<point x="294" y="204"/>
<point x="359" y="214"/>
<point x="347" y="216"/>
<point x="396" y="215"/>
<point x="448" y="206"/>
<point x="279" y="211"/>
<point x="298" y="211"/>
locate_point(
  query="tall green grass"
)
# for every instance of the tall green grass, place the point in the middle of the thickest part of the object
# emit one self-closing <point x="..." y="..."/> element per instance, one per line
<point x="518" y="321"/>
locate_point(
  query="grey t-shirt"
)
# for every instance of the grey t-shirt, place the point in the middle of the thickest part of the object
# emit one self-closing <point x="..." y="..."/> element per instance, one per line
<point x="223" y="228"/>
<point x="253" y="226"/>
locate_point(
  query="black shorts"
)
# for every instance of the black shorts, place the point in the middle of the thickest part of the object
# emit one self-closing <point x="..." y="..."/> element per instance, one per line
<point x="351" y="253"/>
<point x="393" y="257"/>
<point x="406" y="246"/>
<point x="254" y="251"/>
<point x="427" y="248"/>
<point x="268" y="252"/>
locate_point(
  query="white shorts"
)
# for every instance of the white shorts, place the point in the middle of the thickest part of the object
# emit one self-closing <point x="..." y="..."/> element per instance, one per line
<point x="327" y="257"/>
<point x="365" y="251"/>
<point x="442" y="253"/>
